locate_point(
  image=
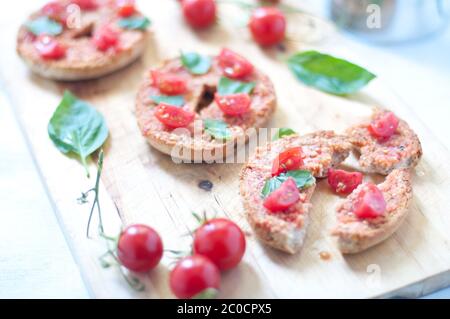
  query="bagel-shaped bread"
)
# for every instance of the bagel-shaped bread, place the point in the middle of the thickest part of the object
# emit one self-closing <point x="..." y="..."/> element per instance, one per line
<point x="286" y="230"/>
<point x="82" y="58"/>
<point x="199" y="99"/>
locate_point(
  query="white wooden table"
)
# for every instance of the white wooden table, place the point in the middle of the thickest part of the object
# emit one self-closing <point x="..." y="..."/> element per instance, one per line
<point x="35" y="260"/>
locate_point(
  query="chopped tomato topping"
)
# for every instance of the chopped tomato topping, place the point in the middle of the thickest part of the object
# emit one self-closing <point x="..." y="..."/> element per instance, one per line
<point x="105" y="38"/>
<point x="55" y="10"/>
<point x="233" y="104"/>
<point x="173" y="116"/>
<point x="170" y="84"/>
<point x="343" y="182"/>
<point x="288" y="160"/>
<point x="85" y="4"/>
<point x="384" y="126"/>
<point x="49" y="48"/>
<point x="126" y="8"/>
<point x="284" y="197"/>
<point x="233" y="65"/>
<point x="369" y="203"/>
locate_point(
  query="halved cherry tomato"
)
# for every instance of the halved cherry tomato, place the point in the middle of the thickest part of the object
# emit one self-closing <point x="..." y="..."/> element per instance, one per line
<point x="370" y="202"/>
<point x="105" y="38"/>
<point x="288" y="160"/>
<point x="384" y="126"/>
<point x="125" y="8"/>
<point x="49" y="47"/>
<point x="55" y="10"/>
<point x="343" y="182"/>
<point x="173" y="116"/>
<point x="170" y="84"/>
<point x="233" y="65"/>
<point x="283" y="197"/>
<point x="85" y="4"/>
<point x="233" y="104"/>
<point x="268" y="26"/>
<point x="199" y="13"/>
<point x="193" y="275"/>
<point x="222" y="241"/>
<point x="139" y="248"/>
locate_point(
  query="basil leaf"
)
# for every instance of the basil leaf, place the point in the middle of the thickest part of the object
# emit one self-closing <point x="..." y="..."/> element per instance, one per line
<point x="282" y="132"/>
<point x="177" y="100"/>
<point x="134" y="23"/>
<point x="196" y="63"/>
<point x="227" y="86"/>
<point x="328" y="73"/>
<point x="303" y="179"/>
<point x="76" y="127"/>
<point x="44" y="25"/>
<point x="217" y="129"/>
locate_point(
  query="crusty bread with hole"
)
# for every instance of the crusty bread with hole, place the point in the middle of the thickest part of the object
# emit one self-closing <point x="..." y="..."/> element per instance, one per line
<point x="203" y="147"/>
<point x="286" y="231"/>
<point x="83" y="61"/>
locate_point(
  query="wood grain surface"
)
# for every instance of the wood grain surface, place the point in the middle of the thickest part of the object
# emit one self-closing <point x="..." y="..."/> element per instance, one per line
<point x="149" y="188"/>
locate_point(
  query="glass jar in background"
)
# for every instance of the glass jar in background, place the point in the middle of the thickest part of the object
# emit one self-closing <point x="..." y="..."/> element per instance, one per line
<point x="391" y="21"/>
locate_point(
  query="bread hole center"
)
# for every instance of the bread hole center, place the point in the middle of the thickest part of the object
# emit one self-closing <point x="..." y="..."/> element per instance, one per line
<point x="206" y="97"/>
<point x="86" y="31"/>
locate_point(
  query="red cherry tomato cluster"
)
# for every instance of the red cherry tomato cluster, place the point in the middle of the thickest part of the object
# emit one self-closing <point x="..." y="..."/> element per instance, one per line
<point x="219" y="244"/>
<point x="267" y="24"/>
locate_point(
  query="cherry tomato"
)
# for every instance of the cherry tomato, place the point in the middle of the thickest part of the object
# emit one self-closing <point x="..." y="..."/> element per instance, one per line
<point x="283" y="197"/>
<point x="139" y="248"/>
<point x="49" y="48"/>
<point x="384" y="126"/>
<point x="222" y="241"/>
<point x="233" y="65"/>
<point x="233" y="104"/>
<point x="199" y="13"/>
<point x="193" y="275"/>
<point x="55" y="10"/>
<point x="126" y="8"/>
<point x="343" y="182"/>
<point x="369" y="203"/>
<point x="173" y="116"/>
<point x="268" y="26"/>
<point x="288" y="160"/>
<point x="85" y="4"/>
<point x="170" y="84"/>
<point x="105" y="38"/>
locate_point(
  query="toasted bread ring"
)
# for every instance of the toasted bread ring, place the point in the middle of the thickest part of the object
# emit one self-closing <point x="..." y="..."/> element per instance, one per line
<point x="82" y="60"/>
<point x="203" y="147"/>
<point x="286" y="230"/>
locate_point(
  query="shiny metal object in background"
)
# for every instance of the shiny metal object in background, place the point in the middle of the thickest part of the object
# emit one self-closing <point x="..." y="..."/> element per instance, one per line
<point x="400" y="20"/>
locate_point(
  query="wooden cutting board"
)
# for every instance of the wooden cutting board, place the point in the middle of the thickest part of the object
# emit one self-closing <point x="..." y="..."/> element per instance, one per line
<point x="149" y="188"/>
